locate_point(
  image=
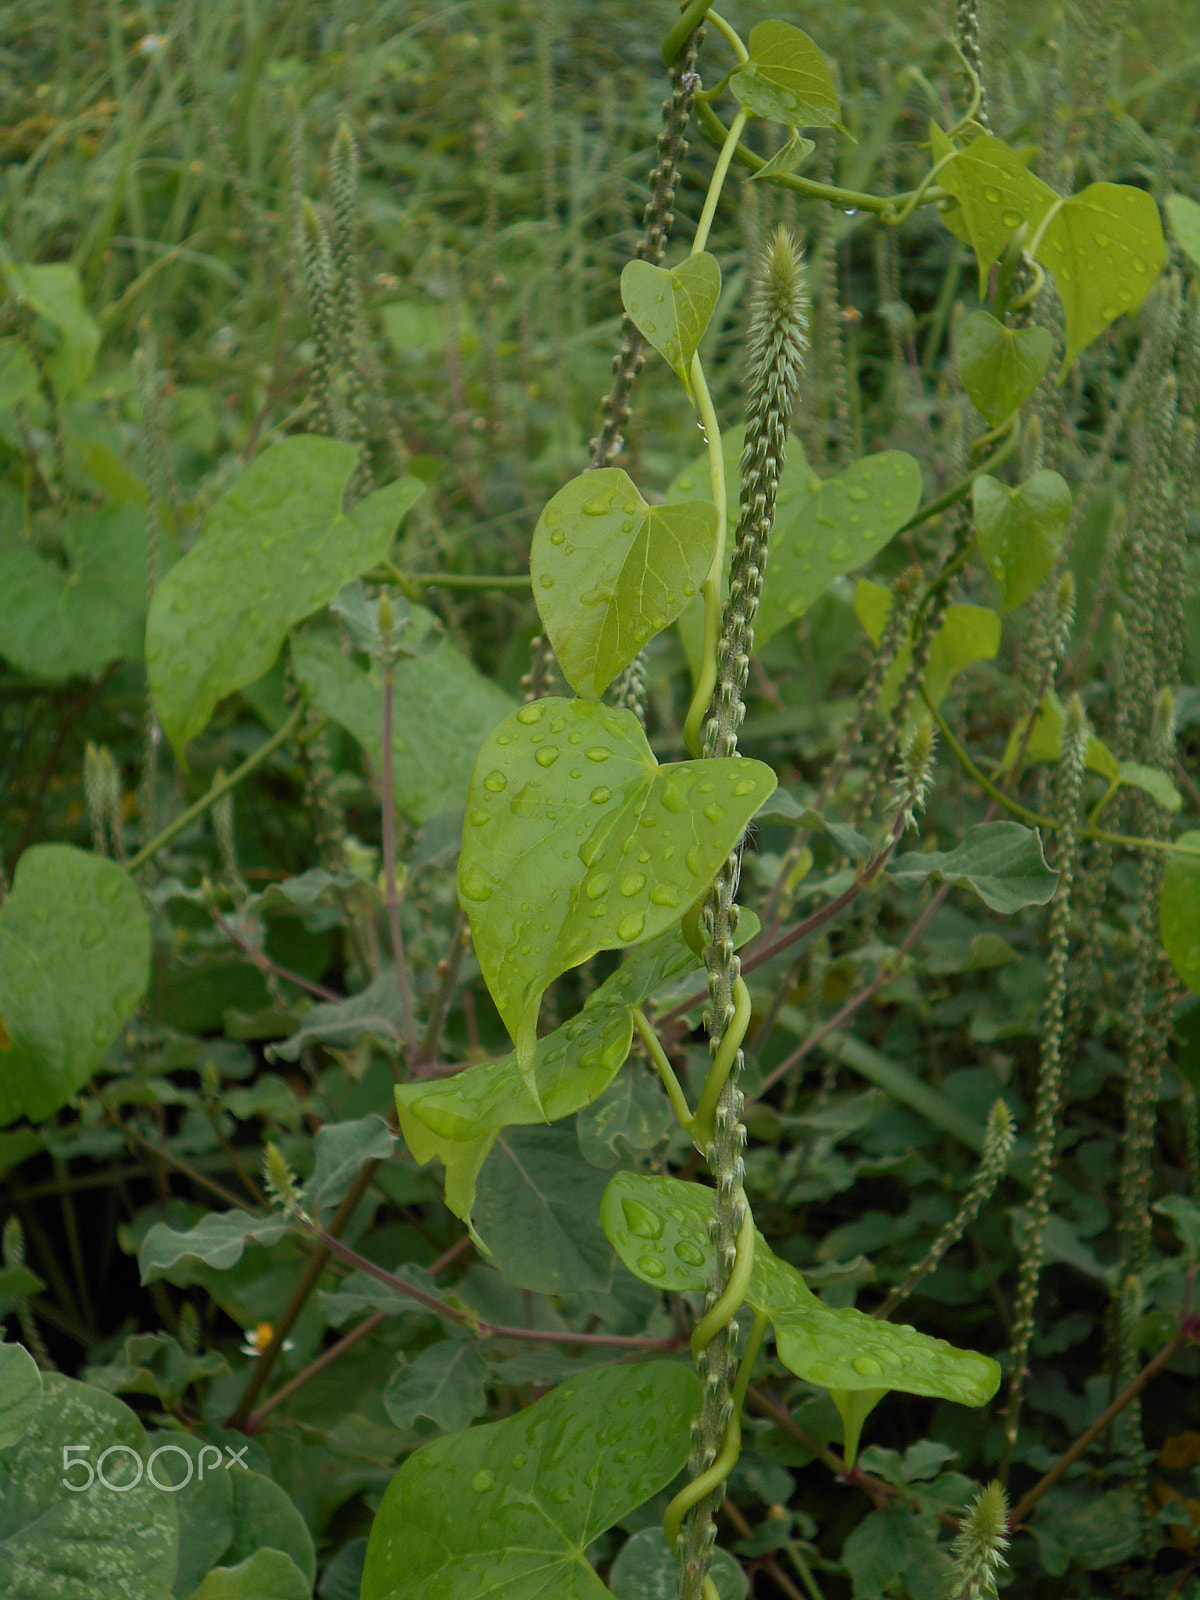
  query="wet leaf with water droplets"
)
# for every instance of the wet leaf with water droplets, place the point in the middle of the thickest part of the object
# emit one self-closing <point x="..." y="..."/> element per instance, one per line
<point x="74" y="963"/>
<point x="628" y="569"/>
<point x="671" y="307"/>
<point x="786" y="79"/>
<point x="275" y="548"/>
<point x="1105" y="247"/>
<point x="508" y="1509"/>
<point x="834" y="1347"/>
<point x="1020" y="531"/>
<point x="549" y="878"/>
<point x="996" y="192"/>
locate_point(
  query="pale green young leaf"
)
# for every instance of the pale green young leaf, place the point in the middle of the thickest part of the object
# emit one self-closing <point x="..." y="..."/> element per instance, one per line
<point x="1020" y="531"/>
<point x="20" y="1392"/>
<point x="1179" y="912"/>
<point x="1185" y="225"/>
<point x="830" y="528"/>
<point x="1000" y="367"/>
<point x="60" y="1545"/>
<point x="443" y="709"/>
<point x="786" y="79"/>
<point x="74" y="963"/>
<point x="610" y="571"/>
<point x="1001" y="861"/>
<point x="64" y="622"/>
<point x="275" y="548"/>
<point x="997" y="193"/>
<point x="1152" y="781"/>
<point x="217" y="1240"/>
<point x="445" y="1383"/>
<point x="671" y="307"/>
<point x="576" y="840"/>
<point x="55" y="292"/>
<point x="786" y="159"/>
<point x="509" y="1509"/>
<point x="659" y="1228"/>
<point x="265" y="1575"/>
<point x="967" y="634"/>
<point x="341" y="1150"/>
<point x="1105" y="247"/>
<point x="854" y="1407"/>
<point x="1045" y="742"/>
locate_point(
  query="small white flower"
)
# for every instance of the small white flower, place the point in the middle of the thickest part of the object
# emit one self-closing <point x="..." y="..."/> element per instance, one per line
<point x="259" y="1337"/>
<point x="151" y="44"/>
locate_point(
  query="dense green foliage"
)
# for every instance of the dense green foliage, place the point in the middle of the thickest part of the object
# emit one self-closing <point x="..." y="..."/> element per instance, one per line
<point x="511" y="900"/>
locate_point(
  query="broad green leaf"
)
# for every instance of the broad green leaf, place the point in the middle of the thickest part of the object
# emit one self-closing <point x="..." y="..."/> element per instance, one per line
<point x="217" y="1240"/>
<point x="1045" y="742"/>
<point x="18" y="377"/>
<point x="375" y="1013"/>
<point x="1179" y="912"/>
<point x="576" y="840"/>
<point x="1105" y="247"/>
<point x="897" y="1543"/>
<point x="65" y="622"/>
<point x="786" y="79"/>
<point x="997" y="193"/>
<point x="1152" y="781"/>
<point x="632" y="1115"/>
<point x="610" y="571"/>
<point x="1020" y="531"/>
<point x="433" y="752"/>
<point x="446" y="1383"/>
<point x="536" y="1209"/>
<point x="509" y="1509"/>
<point x="20" y="1392"/>
<point x="792" y="155"/>
<point x="154" y="1363"/>
<point x="1185" y="1218"/>
<point x="967" y="634"/>
<point x="1000" y="367"/>
<point x="647" y="1570"/>
<point x="659" y="1228"/>
<point x="457" y="1119"/>
<point x="1001" y="861"/>
<point x="275" y="548"/>
<point x="672" y="306"/>
<point x="74" y="963"/>
<point x="266" y="1575"/>
<point x="342" y="1149"/>
<point x="830" y="528"/>
<point x="60" y="1545"/>
<point x="56" y="294"/>
<point x="1185" y="225"/>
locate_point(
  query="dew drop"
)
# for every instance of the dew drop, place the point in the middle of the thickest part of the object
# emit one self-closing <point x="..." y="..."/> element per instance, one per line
<point x="991" y="195"/>
<point x="1012" y="219"/>
<point x="746" y="786"/>
<point x="557" y="536"/>
<point x="858" y="493"/>
<point x="689" y="588"/>
<point x="1139" y="265"/>
<point x="838" y="551"/>
<point x="664" y="894"/>
<point x="600" y="795"/>
<point x="641" y="1220"/>
<point x="597" y="753"/>
<point x="91" y="936"/>
<point x="597" y="886"/>
<point x="1101" y="240"/>
<point x="518" y="1461"/>
<point x="867" y="1367"/>
<point x="546" y="580"/>
<point x="474" y="885"/>
<point x="633" y="884"/>
<point x="632" y="927"/>
<point x="714" y="812"/>
<point x="533" y="712"/>
<point x="598" y="507"/>
<point x="689" y="1252"/>
<point x="575" y="738"/>
<point x="672" y="800"/>
<point x="692" y="860"/>
<point x="483" y="1480"/>
<point x="651" y="1267"/>
<point x="496" y="782"/>
<point x="546" y="757"/>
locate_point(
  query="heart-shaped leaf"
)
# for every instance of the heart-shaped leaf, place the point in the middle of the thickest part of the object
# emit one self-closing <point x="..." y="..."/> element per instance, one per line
<point x="832" y="527"/>
<point x="1152" y="781"/>
<point x="1044" y="742"/>
<point x="457" y="1119"/>
<point x="55" y="292"/>
<point x="997" y="193"/>
<point x="659" y="1228"/>
<point x="786" y="79"/>
<point x="1179" y="912"/>
<point x="467" y="1515"/>
<point x="1000" y="367"/>
<point x="671" y="307"/>
<point x="967" y="634"/>
<point x="1185" y="225"/>
<point x="1020" y="531"/>
<point x="74" y="963"/>
<point x="1001" y="861"/>
<point x="792" y="155"/>
<point x="1105" y="247"/>
<point x="610" y="571"/>
<point x="576" y="840"/>
<point x="276" y="547"/>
